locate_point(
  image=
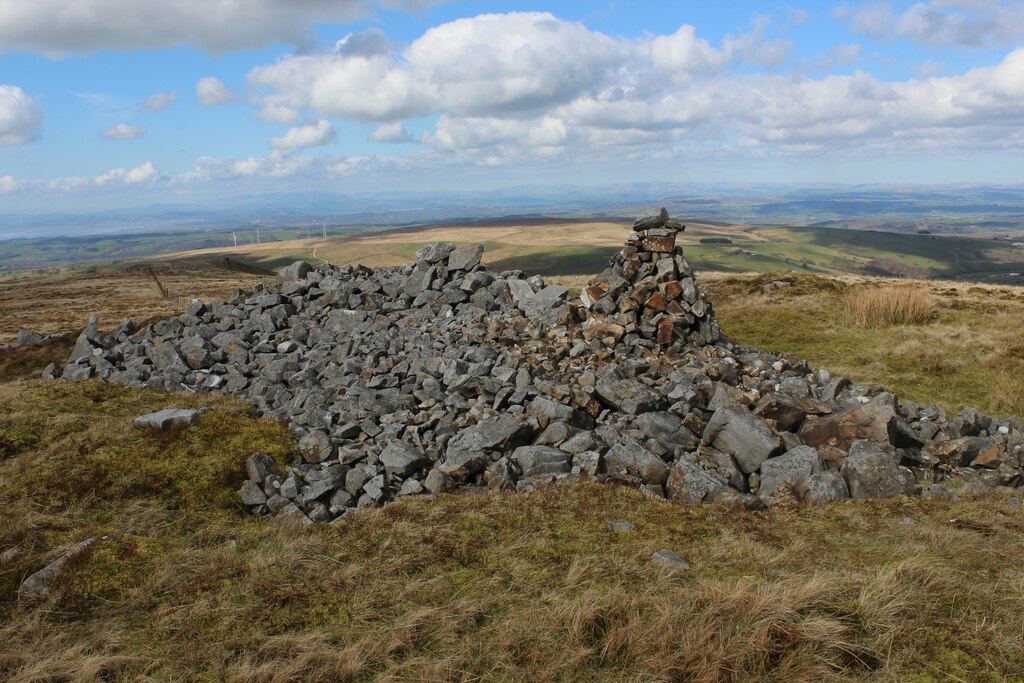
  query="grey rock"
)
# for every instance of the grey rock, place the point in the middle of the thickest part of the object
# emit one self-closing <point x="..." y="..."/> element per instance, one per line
<point x="825" y="487"/>
<point x="791" y="470"/>
<point x="37" y="585"/>
<point x="296" y="271"/>
<point x="620" y="526"/>
<point x="465" y="258"/>
<point x="669" y="558"/>
<point x="29" y="338"/>
<point x="168" y="418"/>
<point x="401" y="459"/>
<point x="251" y="493"/>
<point x="316" y="446"/>
<point x="540" y="460"/>
<point x="871" y="470"/>
<point x="628" y="396"/>
<point x="650" y="219"/>
<point x="688" y="482"/>
<point x="734" y="430"/>
<point x="630" y="457"/>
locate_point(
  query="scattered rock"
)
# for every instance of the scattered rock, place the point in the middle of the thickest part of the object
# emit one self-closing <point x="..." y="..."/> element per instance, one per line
<point x="37" y="585"/>
<point x="620" y="527"/>
<point x="168" y="418"/>
<point x="669" y="558"/>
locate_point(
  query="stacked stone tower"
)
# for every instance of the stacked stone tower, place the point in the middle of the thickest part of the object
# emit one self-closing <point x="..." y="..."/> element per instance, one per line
<point x="649" y="290"/>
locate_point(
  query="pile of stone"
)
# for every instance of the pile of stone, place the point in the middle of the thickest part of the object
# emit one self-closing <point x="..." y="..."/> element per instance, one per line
<point x="649" y="290"/>
<point x="441" y="376"/>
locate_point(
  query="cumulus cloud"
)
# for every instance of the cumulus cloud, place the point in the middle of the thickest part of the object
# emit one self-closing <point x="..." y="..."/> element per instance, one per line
<point x="131" y="176"/>
<point x="55" y="27"/>
<point x="311" y="135"/>
<point x="393" y="132"/>
<point x="211" y="91"/>
<point x="8" y="184"/>
<point x="159" y="101"/>
<point x="520" y="63"/>
<point x="123" y="131"/>
<point x="530" y="85"/>
<point x="20" y="117"/>
<point x="964" y="23"/>
<point x="282" y="164"/>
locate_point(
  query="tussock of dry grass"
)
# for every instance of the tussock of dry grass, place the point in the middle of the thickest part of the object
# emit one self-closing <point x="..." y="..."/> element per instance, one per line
<point x="877" y="307"/>
<point x="494" y="587"/>
<point x="968" y="354"/>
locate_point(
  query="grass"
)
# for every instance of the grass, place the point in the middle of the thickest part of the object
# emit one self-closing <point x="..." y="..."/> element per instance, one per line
<point x="492" y="587"/>
<point x="64" y="302"/>
<point x="883" y="306"/>
<point x="962" y="350"/>
<point x="505" y="587"/>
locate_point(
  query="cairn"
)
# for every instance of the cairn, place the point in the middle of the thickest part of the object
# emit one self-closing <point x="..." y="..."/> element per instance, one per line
<point x="442" y="376"/>
<point x="649" y="290"/>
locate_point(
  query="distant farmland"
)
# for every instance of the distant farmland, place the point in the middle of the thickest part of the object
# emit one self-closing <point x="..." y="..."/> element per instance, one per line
<point x="582" y="247"/>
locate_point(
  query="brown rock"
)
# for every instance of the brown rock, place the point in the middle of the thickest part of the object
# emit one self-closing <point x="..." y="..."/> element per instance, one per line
<point x="789" y="411"/>
<point x="671" y="289"/>
<point x="831" y="457"/>
<point x="655" y="301"/>
<point x="868" y="422"/>
<point x="650" y="243"/>
<point x="665" y="331"/>
<point x="989" y="458"/>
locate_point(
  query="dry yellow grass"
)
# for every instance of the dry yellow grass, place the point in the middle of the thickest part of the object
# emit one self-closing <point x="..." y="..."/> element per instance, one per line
<point x="969" y="352"/>
<point x="504" y="240"/>
<point x="63" y="303"/>
<point x="492" y="587"/>
<point x="890" y="305"/>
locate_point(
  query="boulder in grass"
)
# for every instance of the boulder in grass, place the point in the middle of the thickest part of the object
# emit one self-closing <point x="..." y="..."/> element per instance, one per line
<point x="37" y="585"/>
<point x="168" y="418"/>
<point x="29" y="338"/>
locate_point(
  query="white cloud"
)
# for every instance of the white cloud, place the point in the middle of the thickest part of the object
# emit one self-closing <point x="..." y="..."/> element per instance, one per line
<point x="754" y="48"/>
<point x="8" y="184"/>
<point x="310" y="135"/>
<point x="529" y="85"/>
<point x="521" y="63"/>
<point x="20" y="117"/>
<point x="964" y="23"/>
<point x="57" y="27"/>
<point x="123" y="131"/>
<point x="393" y="132"/>
<point x="132" y="176"/>
<point x="159" y="101"/>
<point x="211" y="91"/>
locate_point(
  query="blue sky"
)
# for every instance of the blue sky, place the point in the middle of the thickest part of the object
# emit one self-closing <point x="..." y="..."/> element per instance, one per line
<point x="108" y="103"/>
